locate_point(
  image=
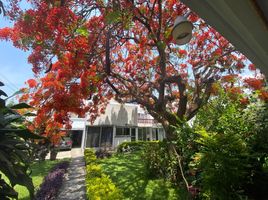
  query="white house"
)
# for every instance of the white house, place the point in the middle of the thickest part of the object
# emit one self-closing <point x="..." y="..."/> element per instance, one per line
<point x="121" y="122"/>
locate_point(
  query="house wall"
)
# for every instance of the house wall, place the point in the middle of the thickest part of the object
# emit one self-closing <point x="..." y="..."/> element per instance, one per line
<point x="117" y="115"/>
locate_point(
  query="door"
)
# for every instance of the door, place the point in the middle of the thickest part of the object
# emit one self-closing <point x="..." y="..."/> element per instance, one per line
<point x="93" y="137"/>
<point x="106" y="137"/>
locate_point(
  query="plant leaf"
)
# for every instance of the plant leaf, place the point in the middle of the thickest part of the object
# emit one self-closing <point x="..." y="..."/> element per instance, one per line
<point x="21" y="106"/>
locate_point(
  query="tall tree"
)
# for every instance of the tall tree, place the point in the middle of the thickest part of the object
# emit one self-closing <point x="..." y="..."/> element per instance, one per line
<point x="122" y="49"/>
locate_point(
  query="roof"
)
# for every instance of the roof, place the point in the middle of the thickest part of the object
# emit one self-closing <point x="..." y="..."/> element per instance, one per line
<point x="243" y="22"/>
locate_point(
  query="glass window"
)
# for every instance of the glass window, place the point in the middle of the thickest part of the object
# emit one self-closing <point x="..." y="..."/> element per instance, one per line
<point x="161" y="134"/>
<point x="133" y="134"/>
<point x="140" y="134"/>
<point x="120" y="131"/>
<point x="144" y="134"/>
<point x="93" y="137"/>
<point x="106" y="136"/>
<point x="154" y="134"/>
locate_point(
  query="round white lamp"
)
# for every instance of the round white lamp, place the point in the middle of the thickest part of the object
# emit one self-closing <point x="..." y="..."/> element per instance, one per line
<point x="182" y="30"/>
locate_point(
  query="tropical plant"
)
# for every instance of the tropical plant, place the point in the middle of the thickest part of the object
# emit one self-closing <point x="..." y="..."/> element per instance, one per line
<point x="15" y="149"/>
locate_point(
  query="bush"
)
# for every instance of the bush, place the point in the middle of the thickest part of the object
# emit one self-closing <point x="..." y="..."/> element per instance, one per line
<point x="103" y="153"/>
<point x="52" y="182"/>
<point x="223" y="159"/>
<point x="159" y="162"/>
<point x="232" y="152"/>
<point x="89" y="156"/>
<point x="134" y="146"/>
<point x="99" y="185"/>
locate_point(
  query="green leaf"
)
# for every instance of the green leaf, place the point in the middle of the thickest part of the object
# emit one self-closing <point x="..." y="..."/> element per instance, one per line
<point x="2" y="103"/>
<point x="7" y="191"/>
<point x="82" y="31"/>
<point x="21" y="106"/>
<point x="24" y="133"/>
<point x="29" y="114"/>
<point x="2" y="93"/>
<point x="113" y="17"/>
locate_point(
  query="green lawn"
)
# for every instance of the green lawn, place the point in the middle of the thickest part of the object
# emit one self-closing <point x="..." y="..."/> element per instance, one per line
<point x="128" y="173"/>
<point x="39" y="171"/>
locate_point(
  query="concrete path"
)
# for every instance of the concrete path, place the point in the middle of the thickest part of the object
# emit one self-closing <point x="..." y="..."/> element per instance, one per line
<point x="61" y="155"/>
<point x="74" y="184"/>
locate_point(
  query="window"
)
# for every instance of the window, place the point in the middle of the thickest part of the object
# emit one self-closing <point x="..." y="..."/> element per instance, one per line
<point x="93" y="137"/>
<point x="99" y="136"/>
<point x="144" y="134"/>
<point x="120" y="131"/>
<point x="161" y="134"/>
<point x="154" y="134"/>
<point x="133" y="134"/>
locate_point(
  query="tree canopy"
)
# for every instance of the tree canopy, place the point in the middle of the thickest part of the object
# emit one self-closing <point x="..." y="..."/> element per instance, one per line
<point x="122" y="49"/>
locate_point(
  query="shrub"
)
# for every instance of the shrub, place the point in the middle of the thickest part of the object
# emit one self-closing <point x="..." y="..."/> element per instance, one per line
<point x="52" y="182"/>
<point x="223" y="161"/>
<point x="103" y="153"/>
<point x="99" y="185"/>
<point x="134" y="146"/>
<point x="159" y="162"/>
<point x="89" y="156"/>
<point x="232" y="154"/>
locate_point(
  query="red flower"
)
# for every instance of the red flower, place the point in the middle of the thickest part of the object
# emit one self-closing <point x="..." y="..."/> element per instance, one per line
<point x="182" y="52"/>
<point x="244" y="101"/>
<point x="263" y="95"/>
<point x="254" y="83"/>
<point x="252" y="67"/>
<point x="32" y="83"/>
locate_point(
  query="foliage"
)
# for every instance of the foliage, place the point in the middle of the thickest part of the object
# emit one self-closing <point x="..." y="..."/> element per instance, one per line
<point x="89" y="156"/>
<point x="257" y="116"/>
<point x="159" y="162"/>
<point x="133" y="146"/>
<point x="230" y="161"/>
<point x="52" y="182"/>
<point x="129" y="173"/>
<point x="98" y="185"/>
<point x="100" y="50"/>
<point x="15" y="149"/>
<point x="223" y="161"/>
<point x="103" y="153"/>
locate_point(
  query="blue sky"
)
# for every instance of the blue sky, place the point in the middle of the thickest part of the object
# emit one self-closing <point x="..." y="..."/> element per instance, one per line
<point x="14" y="67"/>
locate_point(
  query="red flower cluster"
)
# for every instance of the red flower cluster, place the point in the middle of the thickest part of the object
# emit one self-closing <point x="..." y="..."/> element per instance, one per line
<point x="254" y="83"/>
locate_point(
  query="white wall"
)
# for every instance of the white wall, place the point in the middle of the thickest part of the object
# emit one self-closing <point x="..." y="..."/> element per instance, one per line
<point x="119" y="115"/>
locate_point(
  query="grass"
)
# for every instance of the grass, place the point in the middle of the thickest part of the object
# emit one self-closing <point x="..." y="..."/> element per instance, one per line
<point x="128" y="173"/>
<point x="39" y="171"/>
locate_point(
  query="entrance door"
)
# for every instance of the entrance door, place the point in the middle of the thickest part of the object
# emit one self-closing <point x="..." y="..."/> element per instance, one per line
<point x="106" y="137"/>
<point x="93" y="137"/>
<point x="76" y="137"/>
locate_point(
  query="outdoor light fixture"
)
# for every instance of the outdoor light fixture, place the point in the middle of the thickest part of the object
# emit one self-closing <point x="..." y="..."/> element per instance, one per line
<point x="182" y="30"/>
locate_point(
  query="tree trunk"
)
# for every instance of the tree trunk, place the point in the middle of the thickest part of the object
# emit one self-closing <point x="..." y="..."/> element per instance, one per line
<point x="53" y="153"/>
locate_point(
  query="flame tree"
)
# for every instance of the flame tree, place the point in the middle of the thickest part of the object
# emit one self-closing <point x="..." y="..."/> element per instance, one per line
<point x="122" y="49"/>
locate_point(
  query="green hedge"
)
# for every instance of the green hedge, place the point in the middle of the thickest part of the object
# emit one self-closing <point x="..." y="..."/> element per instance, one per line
<point x="98" y="185"/>
<point x="134" y="146"/>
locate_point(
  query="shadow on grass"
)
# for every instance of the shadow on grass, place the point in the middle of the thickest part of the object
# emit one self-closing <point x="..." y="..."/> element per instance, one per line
<point x="128" y="172"/>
